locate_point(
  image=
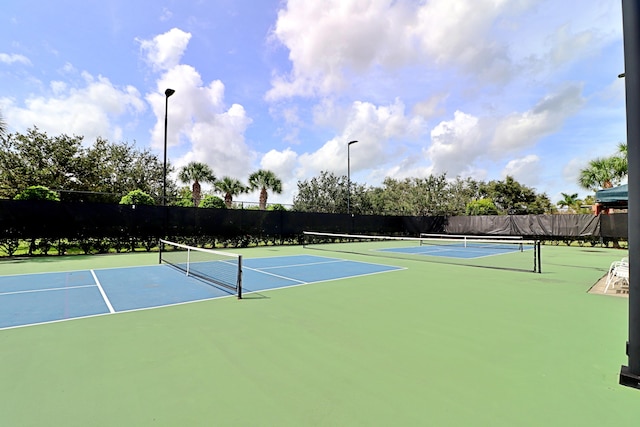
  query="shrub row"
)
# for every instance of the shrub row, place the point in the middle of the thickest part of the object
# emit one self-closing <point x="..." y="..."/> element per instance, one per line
<point x="44" y="246"/>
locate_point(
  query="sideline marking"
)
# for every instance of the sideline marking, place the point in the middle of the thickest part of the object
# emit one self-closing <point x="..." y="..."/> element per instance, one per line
<point x="304" y="264"/>
<point x="30" y="291"/>
<point x="104" y="295"/>
<point x="276" y="275"/>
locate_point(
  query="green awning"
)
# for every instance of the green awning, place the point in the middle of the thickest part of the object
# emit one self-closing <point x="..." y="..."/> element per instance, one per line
<point x="613" y="195"/>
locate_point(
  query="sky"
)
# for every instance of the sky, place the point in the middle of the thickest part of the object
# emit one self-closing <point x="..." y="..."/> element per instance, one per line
<point x="471" y="88"/>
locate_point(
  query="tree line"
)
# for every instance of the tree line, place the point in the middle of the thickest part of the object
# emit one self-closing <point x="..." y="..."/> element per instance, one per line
<point x="438" y="195"/>
<point x="111" y="173"/>
<point x="121" y="172"/>
<point x="435" y="195"/>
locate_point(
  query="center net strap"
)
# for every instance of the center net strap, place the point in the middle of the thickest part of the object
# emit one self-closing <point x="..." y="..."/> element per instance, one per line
<point x="220" y="268"/>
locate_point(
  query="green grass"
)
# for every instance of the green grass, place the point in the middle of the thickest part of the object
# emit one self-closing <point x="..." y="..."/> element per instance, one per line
<point x="434" y="344"/>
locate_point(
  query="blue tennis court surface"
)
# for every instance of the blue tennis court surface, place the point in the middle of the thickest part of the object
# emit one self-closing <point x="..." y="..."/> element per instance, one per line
<point x="39" y="298"/>
<point x="468" y="251"/>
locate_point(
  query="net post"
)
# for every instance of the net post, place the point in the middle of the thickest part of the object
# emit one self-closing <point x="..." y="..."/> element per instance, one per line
<point x="239" y="277"/>
<point x="539" y="256"/>
<point x="188" y="260"/>
<point x="159" y="251"/>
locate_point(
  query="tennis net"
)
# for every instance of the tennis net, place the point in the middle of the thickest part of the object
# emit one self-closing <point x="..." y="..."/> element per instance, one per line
<point x="220" y="268"/>
<point x="512" y="253"/>
<point x="507" y="243"/>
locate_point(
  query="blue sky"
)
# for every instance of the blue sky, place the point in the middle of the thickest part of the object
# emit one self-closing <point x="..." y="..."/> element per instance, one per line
<point x="473" y="88"/>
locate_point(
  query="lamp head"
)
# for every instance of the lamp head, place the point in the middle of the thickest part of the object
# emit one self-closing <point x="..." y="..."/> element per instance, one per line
<point x="169" y="92"/>
<point x="352" y="142"/>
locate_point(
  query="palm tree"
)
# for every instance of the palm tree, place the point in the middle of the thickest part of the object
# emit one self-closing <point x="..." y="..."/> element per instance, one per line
<point x="196" y="172"/>
<point x="569" y="200"/>
<point x="600" y="173"/>
<point x="229" y="187"/>
<point x="620" y="162"/>
<point x="605" y="172"/>
<point x="265" y="180"/>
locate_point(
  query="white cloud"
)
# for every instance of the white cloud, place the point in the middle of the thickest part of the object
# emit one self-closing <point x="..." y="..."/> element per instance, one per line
<point x="14" y="58"/>
<point x="408" y="167"/>
<point x="58" y="87"/>
<point x="430" y="107"/>
<point x="571" y="170"/>
<point x="567" y="46"/>
<point x="525" y="170"/>
<point x="166" y="15"/>
<point x="460" y="33"/>
<point x="330" y="114"/>
<point x="166" y="50"/>
<point x="455" y="144"/>
<point x="383" y="133"/>
<point x="88" y="110"/>
<point x="283" y="165"/>
<point x="220" y="143"/>
<point x="68" y="68"/>
<point x="328" y="40"/>
<point x="555" y="36"/>
<point x="458" y="145"/>
<point x="522" y="130"/>
<point x="199" y="124"/>
<point x="378" y="130"/>
<point x="326" y="37"/>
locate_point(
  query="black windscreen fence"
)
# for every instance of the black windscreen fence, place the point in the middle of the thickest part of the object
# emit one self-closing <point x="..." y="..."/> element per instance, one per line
<point x="574" y="226"/>
<point x="480" y="225"/>
<point x="73" y="220"/>
<point x="614" y="226"/>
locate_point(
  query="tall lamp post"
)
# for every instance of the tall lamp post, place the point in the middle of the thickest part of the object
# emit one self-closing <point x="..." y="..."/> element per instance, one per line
<point x="349" y="176"/>
<point x="167" y="94"/>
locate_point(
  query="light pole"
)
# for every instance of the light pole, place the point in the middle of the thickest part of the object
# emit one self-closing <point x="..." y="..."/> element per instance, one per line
<point x="167" y="94"/>
<point x="349" y="176"/>
<point x="630" y="374"/>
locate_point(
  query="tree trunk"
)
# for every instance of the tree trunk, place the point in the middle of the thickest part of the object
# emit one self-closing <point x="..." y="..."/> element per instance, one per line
<point x="227" y="200"/>
<point x="263" y="198"/>
<point x="196" y="190"/>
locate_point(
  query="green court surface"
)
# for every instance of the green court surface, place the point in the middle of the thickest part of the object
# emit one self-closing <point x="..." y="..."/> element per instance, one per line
<point x="431" y="345"/>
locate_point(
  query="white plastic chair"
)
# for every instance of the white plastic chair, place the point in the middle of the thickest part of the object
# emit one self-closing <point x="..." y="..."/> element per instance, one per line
<point x="618" y="272"/>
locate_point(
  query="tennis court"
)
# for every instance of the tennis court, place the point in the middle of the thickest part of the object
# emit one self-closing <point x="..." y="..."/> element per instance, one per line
<point x="47" y="297"/>
<point x="463" y="250"/>
<point x="506" y="252"/>
<point x="429" y="343"/>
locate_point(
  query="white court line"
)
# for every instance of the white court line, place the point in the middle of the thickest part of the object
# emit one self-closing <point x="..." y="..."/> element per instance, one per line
<point x="335" y="279"/>
<point x="301" y="282"/>
<point x="104" y="296"/>
<point x="275" y="275"/>
<point x="304" y="264"/>
<point x="46" y="290"/>
<point x="435" y="251"/>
